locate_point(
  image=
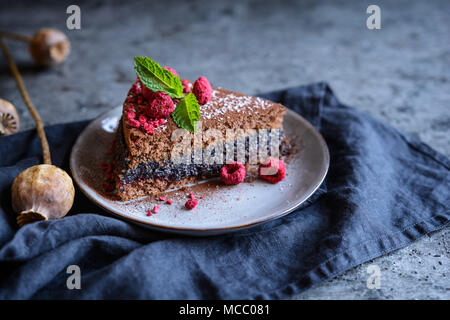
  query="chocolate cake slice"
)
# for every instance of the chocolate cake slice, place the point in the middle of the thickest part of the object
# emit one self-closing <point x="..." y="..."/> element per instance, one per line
<point x="150" y="153"/>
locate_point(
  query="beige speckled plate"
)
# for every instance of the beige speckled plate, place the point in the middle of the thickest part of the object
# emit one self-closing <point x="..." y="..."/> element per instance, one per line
<point x="223" y="208"/>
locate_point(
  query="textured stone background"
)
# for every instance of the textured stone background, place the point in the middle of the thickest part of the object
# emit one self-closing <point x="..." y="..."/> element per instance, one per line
<point x="399" y="74"/>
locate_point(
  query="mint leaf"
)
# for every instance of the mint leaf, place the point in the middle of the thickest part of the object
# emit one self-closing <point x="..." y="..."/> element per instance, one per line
<point x="187" y="113"/>
<point x="156" y="78"/>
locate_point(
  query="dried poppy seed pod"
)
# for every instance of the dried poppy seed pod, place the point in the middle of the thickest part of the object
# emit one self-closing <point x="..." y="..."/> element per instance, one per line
<point x="9" y="119"/>
<point x="49" y="47"/>
<point x="42" y="192"/>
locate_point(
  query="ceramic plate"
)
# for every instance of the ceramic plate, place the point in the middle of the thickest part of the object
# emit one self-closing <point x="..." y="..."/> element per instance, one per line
<point x="223" y="208"/>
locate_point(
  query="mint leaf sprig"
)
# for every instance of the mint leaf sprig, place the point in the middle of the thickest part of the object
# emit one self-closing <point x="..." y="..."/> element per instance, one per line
<point x="156" y="78"/>
<point x="187" y="113"/>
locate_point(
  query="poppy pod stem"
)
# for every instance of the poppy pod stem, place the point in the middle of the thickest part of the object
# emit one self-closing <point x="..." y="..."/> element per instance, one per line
<point x="43" y="191"/>
<point x="28" y="103"/>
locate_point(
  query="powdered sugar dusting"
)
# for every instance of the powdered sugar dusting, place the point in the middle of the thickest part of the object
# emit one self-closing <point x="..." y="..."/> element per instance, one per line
<point x="161" y="128"/>
<point x="221" y="105"/>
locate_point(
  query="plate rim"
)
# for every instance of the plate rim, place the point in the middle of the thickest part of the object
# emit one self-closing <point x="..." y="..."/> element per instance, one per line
<point x="201" y="230"/>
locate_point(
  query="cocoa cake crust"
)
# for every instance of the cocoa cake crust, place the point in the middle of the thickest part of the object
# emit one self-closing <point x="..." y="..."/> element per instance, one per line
<point x="142" y="188"/>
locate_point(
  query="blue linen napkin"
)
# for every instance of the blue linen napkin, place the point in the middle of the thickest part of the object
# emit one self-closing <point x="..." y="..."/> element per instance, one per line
<point x="383" y="191"/>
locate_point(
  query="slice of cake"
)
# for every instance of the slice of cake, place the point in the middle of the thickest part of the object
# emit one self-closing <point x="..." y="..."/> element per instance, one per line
<point x="174" y="132"/>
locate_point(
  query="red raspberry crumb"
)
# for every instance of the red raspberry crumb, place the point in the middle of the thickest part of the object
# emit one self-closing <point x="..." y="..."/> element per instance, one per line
<point x="156" y="209"/>
<point x="148" y="128"/>
<point x="273" y="170"/>
<point x="142" y="119"/>
<point x="186" y="87"/>
<point x="232" y="173"/>
<point x="191" y="195"/>
<point x="160" y="105"/>
<point x="155" y="123"/>
<point x="149" y="213"/>
<point x="202" y="90"/>
<point x="162" y="199"/>
<point x="201" y="197"/>
<point x="146" y="92"/>
<point x="172" y="71"/>
<point x="168" y="201"/>
<point x="131" y="115"/>
<point x="143" y="91"/>
<point x="134" y="123"/>
<point x="191" y="204"/>
<point x="136" y="87"/>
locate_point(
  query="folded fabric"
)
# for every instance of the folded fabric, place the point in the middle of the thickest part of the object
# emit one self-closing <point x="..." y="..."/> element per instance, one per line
<point x="383" y="191"/>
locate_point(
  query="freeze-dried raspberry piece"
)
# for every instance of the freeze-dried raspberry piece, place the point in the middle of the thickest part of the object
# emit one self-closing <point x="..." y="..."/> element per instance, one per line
<point x="186" y="86"/>
<point x="134" y="123"/>
<point x="131" y="115"/>
<point x="131" y="100"/>
<point x="142" y="119"/>
<point x="172" y="71"/>
<point x="232" y="173"/>
<point x="136" y="88"/>
<point x="146" y="92"/>
<point x="160" y="105"/>
<point x="141" y="91"/>
<point x="202" y="90"/>
<point x="191" y="204"/>
<point x="273" y="170"/>
<point x="148" y="128"/>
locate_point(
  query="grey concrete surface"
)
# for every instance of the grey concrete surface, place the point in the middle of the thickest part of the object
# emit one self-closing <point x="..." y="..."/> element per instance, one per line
<point x="399" y="74"/>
